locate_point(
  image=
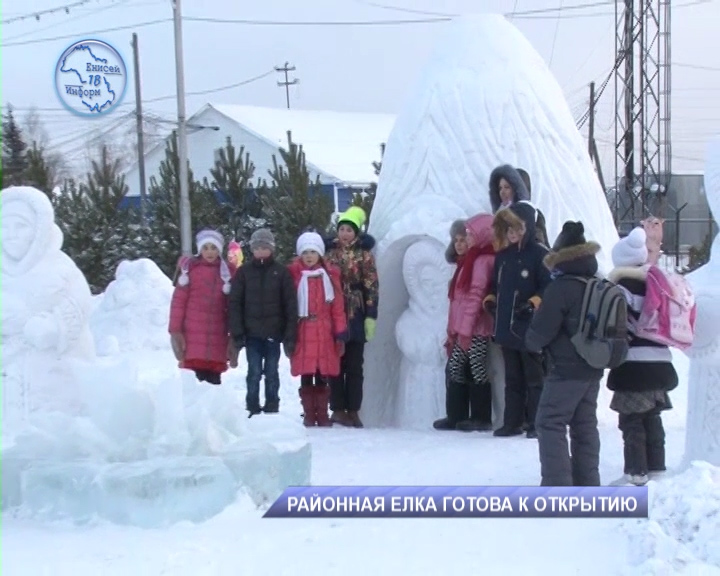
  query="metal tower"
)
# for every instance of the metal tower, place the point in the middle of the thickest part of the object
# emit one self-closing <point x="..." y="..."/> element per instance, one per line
<point x="642" y="110"/>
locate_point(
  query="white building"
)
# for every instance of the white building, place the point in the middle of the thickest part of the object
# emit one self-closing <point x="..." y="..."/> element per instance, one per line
<point x="339" y="147"/>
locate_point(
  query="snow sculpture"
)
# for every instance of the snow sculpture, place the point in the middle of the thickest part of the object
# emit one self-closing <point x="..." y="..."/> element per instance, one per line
<point x="46" y="303"/>
<point x="419" y="333"/>
<point x="702" y="440"/>
<point x="133" y="309"/>
<point x="485" y="98"/>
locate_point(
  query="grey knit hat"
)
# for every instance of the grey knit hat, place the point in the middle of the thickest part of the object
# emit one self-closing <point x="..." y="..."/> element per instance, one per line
<point x="262" y="238"/>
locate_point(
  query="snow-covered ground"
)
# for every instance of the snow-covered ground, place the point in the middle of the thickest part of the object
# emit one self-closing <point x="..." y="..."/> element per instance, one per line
<point x="240" y="541"/>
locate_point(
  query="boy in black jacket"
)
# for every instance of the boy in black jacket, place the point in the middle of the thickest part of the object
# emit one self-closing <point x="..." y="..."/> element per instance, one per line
<point x="570" y="393"/>
<point x="262" y="315"/>
<point x="519" y="279"/>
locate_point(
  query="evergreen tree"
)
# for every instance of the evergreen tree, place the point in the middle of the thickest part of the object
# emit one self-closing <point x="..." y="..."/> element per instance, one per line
<point x="366" y="199"/>
<point x="294" y="202"/>
<point x="240" y="208"/>
<point x="14" y="149"/>
<point x="163" y="241"/>
<point x="38" y="172"/>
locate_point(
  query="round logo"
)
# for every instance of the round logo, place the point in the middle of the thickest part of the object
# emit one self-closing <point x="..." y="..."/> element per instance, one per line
<point x="524" y="273"/>
<point x="90" y="78"/>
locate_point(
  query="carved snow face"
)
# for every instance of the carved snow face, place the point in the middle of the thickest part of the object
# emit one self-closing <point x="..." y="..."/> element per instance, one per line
<point x="18" y="232"/>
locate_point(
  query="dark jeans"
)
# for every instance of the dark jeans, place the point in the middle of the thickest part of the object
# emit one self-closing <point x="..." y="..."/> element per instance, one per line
<point x="263" y="357"/>
<point x="523" y="385"/>
<point x="347" y="388"/>
<point x="563" y="404"/>
<point x="644" y="442"/>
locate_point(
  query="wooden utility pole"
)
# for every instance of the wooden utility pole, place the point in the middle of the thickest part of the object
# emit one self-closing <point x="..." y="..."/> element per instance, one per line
<point x="287" y="68"/>
<point x="140" y="136"/>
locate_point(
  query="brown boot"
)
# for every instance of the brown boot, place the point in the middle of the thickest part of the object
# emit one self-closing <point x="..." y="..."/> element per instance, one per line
<point x="308" y="403"/>
<point x="355" y="419"/>
<point x="341" y="417"/>
<point x="322" y="399"/>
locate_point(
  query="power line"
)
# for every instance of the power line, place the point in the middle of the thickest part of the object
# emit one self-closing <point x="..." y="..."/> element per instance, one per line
<point x="555" y="35"/>
<point x="696" y="66"/>
<point x="36" y="15"/>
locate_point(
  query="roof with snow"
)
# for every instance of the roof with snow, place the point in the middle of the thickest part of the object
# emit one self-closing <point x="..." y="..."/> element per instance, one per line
<point x="344" y="144"/>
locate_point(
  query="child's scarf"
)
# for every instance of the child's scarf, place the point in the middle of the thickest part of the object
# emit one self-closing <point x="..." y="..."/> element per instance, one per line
<point x="303" y="293"/>
<point x="463" y="272"/>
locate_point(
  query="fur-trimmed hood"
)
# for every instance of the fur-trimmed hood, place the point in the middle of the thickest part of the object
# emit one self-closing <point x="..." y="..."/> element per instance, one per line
<point x="578" y="260"/>
<point x="514" y="217"/>
<point x="629" y="272"/>
<point x="457" y="228"/>
<point x="513" y="178"/>
<point x="364" y="241"/>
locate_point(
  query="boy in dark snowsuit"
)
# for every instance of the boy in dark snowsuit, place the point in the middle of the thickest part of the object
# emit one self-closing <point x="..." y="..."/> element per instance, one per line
<point x="570" y="392"/>
<point x="519" y="279"/>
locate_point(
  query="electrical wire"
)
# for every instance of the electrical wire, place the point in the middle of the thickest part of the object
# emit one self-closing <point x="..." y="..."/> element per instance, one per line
<point x="36" y="15"/>
<point x="555" y="35"/>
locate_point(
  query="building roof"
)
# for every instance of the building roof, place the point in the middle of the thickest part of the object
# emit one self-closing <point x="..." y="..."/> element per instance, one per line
<point x="343" y="144"/>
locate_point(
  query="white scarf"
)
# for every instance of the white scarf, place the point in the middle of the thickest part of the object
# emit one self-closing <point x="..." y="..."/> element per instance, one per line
<point x="303" y="295"/>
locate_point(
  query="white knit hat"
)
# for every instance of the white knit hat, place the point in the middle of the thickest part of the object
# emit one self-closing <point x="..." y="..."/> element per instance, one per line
<point x="209" y="237"/>
<point x="631" y="250"/>
<point x="310" y="241"/>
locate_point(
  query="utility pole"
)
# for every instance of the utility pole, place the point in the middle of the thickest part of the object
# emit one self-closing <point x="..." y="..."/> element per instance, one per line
<point x="185" y="216"/>
<point x="287" y="68"/>
<point x="140" y="136"/>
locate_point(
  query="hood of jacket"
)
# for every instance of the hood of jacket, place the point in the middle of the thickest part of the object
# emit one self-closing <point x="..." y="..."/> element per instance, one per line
<point x="520" y="192"/>
<point x="364" y="241"/>
<point x="629" y="273"/>
<point x="480" y="228"/>
<point x="578" y="260"/>
<point x="513" y="217"/>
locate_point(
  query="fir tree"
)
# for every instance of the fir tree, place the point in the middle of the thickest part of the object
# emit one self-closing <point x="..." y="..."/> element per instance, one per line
<point x="240" y="208"/>
<point x="38" y="172"/>
<point x="366" y="198"/>
<point x="294" y="202"/>
<point x="14" y="149"/>
<point x="163" y="243"/>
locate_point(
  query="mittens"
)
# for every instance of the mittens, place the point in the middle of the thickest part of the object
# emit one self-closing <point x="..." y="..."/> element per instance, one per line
<point x="369" y="328"/>
<point x="524" y="311"/>
<point x="340" y="347"/>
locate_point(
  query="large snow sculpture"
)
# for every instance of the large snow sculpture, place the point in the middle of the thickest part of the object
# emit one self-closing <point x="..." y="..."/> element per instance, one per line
<point x="46" y="303"/>
<point x="702" y="440"/>
<point x="419" y="332"/>
<point x="485" y="98"/>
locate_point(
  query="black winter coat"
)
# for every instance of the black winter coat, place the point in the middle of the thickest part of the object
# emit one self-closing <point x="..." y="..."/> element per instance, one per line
<point x="648" y="365"/>
<point x="558" y="317"/>
<point x="263" y="303"/>
<point x="519" y="276"/>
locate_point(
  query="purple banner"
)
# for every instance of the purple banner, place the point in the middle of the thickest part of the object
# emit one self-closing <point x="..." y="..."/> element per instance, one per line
<point x="461" y="502"/>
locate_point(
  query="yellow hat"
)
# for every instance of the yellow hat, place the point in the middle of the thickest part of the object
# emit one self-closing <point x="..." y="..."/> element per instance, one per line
<point x="355" y="216"/>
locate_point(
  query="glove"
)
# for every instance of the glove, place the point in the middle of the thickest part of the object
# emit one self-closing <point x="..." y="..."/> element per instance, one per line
<point x="289" y="348"/>
<point x="340" y="347"/>
<point x="369" y="328"/>
<point x="490" y="307"/>
<point x="177" y="341"/>
<point x="449" y="345"/>
<point x="232" y="354"/>
<point x="464" y="342"/>
<point x="524" y="311"/>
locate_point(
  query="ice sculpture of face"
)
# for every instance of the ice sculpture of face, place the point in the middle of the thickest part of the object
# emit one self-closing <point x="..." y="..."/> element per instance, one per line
<point x="18" y="231"/>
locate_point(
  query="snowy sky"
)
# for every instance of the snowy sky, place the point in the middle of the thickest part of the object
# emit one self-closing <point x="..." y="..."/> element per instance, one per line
<point x="368" y="68"/>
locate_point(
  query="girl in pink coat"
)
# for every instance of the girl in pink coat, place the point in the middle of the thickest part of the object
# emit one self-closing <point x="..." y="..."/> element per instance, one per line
<point x="468" y="395"/>
<point x="199" y="311"/>
<point x="322" y="327"/>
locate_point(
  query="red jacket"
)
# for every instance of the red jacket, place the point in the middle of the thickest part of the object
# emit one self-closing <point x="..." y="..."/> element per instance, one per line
<point x="316" y="349"/>
<point x="199" y="311"/>
<point x="467" y="317"/>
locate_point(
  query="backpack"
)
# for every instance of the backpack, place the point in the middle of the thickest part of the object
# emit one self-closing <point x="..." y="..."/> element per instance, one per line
<point x="602" y="336"/>
<point x="668" y="311"/>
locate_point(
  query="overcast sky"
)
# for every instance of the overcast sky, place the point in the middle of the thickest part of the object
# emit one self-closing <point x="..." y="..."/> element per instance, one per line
<point x="367" y="68"/>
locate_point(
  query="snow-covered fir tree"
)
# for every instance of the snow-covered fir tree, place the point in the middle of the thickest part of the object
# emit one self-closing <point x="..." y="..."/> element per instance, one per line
<point x="14" y="148"/>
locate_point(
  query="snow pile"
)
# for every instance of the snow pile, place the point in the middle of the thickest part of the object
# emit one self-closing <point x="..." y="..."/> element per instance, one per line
<point x="681" y="535"/>
<point x="132" y="313"/>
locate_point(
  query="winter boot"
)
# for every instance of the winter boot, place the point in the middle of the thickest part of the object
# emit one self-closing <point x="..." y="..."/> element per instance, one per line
<point x="341" y="417"/>
<point x="308" y="403"/>
<point x="271" y="407"/>
<point x="355" y="419"/>
<point x="456" y="406"/>
<point x="480" y="409"/>
<point x="321" y="396"/>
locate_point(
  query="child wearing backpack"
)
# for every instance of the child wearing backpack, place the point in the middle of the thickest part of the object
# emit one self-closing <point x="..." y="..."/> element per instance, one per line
<point x="199" y="311"/>
<point x="571" y="388"/>
<point x="519" y="279"/>
<point x="641" y="383"/>
<point x="322" y="327"/>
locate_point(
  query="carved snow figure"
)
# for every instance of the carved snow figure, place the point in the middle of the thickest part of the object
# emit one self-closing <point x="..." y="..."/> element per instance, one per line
<point x="486" y="98"/>
<point x="653" y="227"/>
<point x="702" y="440"/>
<point x="420" y="333"/>
<point x="46" y="303"/>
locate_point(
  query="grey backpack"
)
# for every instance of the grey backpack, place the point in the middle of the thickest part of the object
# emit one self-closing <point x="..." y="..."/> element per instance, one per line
<point x="602" y="336"/>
